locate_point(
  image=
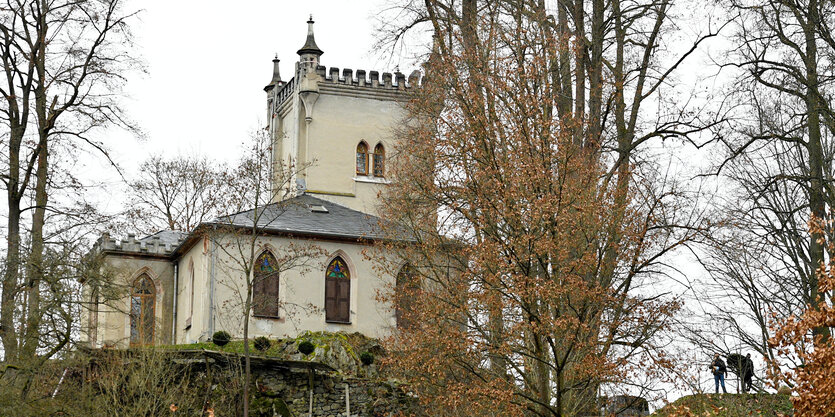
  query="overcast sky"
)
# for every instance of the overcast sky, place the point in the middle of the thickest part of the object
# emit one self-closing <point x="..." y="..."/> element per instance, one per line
<point x="208" y="63"/>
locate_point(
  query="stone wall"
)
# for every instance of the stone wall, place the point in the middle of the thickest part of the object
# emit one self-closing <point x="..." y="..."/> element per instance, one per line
<point x="368" y="397"/>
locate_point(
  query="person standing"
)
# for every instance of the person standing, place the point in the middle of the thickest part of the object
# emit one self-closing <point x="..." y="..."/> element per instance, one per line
<point x="719" y="371"/>
<point x="747" y="373"/>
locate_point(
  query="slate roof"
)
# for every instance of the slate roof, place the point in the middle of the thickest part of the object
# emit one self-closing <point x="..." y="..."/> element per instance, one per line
<point x="166" y="237"/>
<point x="294" y="216"/>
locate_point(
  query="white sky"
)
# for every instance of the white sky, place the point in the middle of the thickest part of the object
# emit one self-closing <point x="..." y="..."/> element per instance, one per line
<point x="208" y="62"/>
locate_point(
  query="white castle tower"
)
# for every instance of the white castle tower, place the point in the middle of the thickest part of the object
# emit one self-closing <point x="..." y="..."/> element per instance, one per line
<point x="339" y="127"/>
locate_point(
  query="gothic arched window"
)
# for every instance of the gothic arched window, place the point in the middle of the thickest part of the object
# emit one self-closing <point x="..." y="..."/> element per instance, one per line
<point x="338" y="292"/>
<point x="406" y="286"/>
<point x="379" y="160"/>
<point x="265" y="285"/>
<point x="142" y="301"/>
<point x="362" y="159"/>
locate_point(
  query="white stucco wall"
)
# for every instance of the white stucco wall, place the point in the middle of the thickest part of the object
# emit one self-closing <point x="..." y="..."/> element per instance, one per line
<point x="342" y="115"/>
<point x="301" y="292"/>
<point x="112" y="321"/>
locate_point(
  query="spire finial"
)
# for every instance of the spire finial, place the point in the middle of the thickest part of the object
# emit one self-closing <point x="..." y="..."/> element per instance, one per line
<point x="310" y="43"/>
<point x="276" y="74"/>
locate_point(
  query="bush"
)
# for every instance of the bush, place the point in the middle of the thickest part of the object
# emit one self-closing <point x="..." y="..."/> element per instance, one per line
<point x="221" y="338"/>
<point x="367" y="358"/>
<point x="306" y="347"/>
<point x="262" y="343"/>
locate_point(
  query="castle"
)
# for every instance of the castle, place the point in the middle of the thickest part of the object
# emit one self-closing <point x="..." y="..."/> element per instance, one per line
<point x="181" y="287"/>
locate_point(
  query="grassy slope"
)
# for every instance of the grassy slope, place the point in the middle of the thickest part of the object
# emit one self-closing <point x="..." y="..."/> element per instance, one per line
<point x="353" y="342"/>
<point x="730" y="405"/>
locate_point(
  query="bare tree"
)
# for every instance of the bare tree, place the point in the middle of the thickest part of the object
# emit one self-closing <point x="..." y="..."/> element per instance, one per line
<point x="176" y="194"/>
<point x="528" y="144"/>
<point x="63" y="63"/>
<point x="259" y="190"/>
<point x="778" y="168"/>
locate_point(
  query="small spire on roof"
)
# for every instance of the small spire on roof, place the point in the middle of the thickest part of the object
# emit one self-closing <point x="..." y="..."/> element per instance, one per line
<point x="276" y="74"/>
<point x="310" y="43"/>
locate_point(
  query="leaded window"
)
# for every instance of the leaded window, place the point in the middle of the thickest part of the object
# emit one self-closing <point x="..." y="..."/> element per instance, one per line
<point x="362" y="159"/>
<point x="142" y="319"/>
<point x="338" y="292"/>
<point x="265" y="286"/>
<point x="379" y="160"/>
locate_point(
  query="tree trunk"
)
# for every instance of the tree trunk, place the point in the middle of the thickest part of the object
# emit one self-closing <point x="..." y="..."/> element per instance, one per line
<point x="815" y="149"/>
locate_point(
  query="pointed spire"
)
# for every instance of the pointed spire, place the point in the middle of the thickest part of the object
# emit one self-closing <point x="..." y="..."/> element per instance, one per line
<point x="310" y="43"/>
<point x="276" y="75"/>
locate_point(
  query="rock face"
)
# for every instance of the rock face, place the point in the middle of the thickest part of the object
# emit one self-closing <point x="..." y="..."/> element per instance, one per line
<point x="337" y="350"/>
<point x="367" y="394"/>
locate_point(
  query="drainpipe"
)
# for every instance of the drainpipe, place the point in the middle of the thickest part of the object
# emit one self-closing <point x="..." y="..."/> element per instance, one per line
<point x="174" y="316"/>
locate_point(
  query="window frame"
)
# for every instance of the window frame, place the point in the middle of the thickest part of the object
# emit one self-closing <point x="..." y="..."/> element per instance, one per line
<point x="366" y="161"/>
<point x="259" y="284"/>
<point x="340" y="284"/>
<point x="147" y="301"/>
<point x="379" y="157"/>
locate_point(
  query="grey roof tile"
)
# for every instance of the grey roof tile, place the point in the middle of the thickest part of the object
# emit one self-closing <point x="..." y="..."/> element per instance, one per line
<point x="294" y="216"/>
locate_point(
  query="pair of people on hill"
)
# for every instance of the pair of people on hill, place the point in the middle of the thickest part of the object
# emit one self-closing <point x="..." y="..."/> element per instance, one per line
<point x="720" y="371"/>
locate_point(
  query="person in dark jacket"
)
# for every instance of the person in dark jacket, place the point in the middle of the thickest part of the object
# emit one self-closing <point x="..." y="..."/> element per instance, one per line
<point x="747" y="373"/>
<point x="719" y="371"/>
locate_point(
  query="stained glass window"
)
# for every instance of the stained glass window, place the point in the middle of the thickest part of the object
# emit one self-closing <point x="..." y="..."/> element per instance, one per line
<point x="337" y="269"/>
<point x="142" y="318"/>
<point x="265" y="285"/>
<point x="379" y="160"/>
<point x="362" y="159"/>
<point x="338" y="292"/>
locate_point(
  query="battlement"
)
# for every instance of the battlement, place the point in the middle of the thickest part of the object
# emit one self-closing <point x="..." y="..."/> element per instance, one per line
<point x="385" y="84"/>
<point x="372" y="80"/>
<point x="152" y="245"/>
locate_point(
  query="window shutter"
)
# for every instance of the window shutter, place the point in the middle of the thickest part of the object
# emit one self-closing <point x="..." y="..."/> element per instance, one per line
<point x="271" y="295"/>
<point x="257" y="295"/>
<point x="344" y="300"/>
<point x="338" y="291"/>
<point x="330" y="299"/>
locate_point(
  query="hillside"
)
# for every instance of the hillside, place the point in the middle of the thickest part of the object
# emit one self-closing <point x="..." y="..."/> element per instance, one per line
<point x="728" y="405"/>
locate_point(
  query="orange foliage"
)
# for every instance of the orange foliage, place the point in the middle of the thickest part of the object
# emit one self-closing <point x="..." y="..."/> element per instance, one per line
<point x="808" y="336"/>
<point x="529" y="244"/>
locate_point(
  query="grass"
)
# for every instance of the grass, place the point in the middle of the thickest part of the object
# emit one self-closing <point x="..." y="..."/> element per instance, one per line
<point x="729" y="405"/>
<point x="278" y="346"/>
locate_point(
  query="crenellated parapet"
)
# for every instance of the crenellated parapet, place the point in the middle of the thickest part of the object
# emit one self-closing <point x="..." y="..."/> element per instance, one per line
<point x="361" y="83"/>
<point x="154" y="245"/>
<point x="370" y="79"/>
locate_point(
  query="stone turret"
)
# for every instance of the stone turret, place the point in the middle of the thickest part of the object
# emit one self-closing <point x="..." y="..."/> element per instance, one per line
<point x="276" y="80"/>
<point x="309" y="53"/>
